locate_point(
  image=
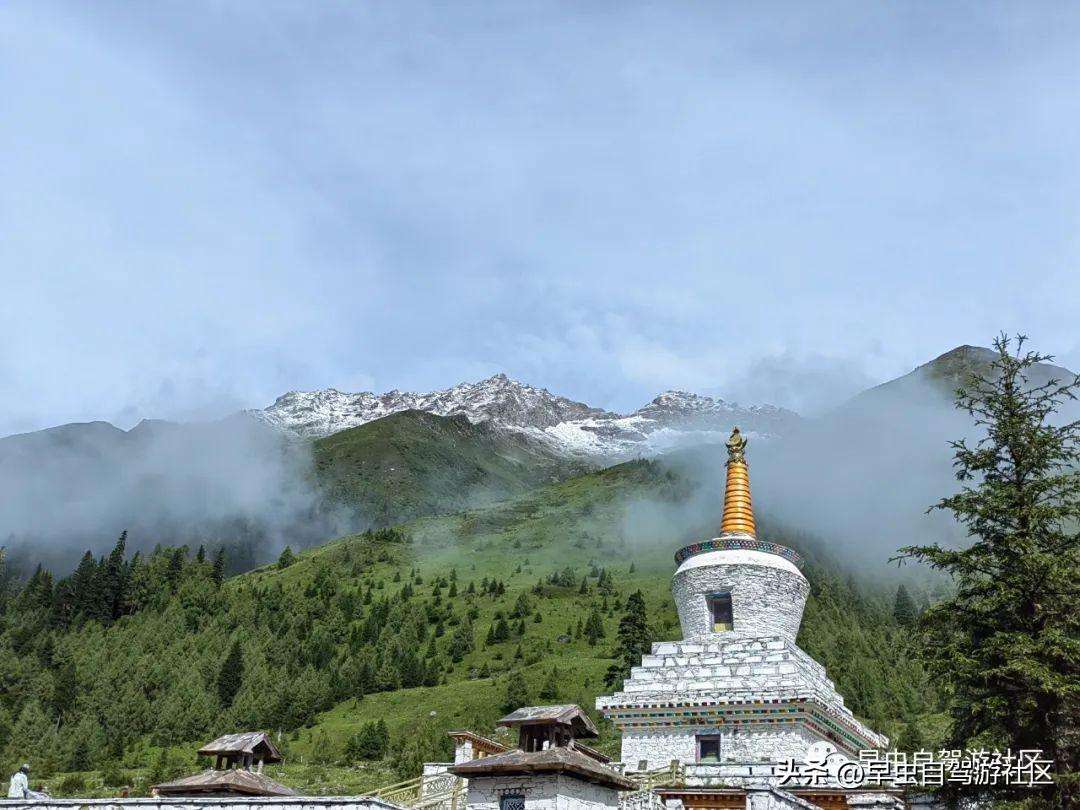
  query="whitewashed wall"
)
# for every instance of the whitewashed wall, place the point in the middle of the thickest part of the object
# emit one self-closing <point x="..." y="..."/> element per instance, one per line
<point x="661" y="746"/>
<point x="554" y="792"/>
<point x="768" y="594"/>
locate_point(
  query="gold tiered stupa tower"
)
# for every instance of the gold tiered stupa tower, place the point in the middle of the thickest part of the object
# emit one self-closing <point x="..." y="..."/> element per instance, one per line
<point x="738" y="509"/>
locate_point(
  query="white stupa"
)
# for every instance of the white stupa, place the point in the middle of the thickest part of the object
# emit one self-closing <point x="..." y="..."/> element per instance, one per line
<point x="736" y="689"/>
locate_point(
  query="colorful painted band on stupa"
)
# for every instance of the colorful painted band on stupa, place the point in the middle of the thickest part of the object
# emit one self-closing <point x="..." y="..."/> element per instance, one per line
<point x="745" y="543"/>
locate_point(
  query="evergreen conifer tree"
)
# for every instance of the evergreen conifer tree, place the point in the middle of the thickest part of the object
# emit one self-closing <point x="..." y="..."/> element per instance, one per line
<point x="115" y="580"/>
<point x="1007" y="642"/>
<point x="634" y="640"/>
<point x="904" y="607"/>
<point x="218" y="572"/>
<point x="65" y="688"/>
<point x="461" y="642"/>
<point x="517" y="691"/>
<point x="231" y="675"/>
<point x="594" y="627"/>
<point x="176" y="566"/>
<point x="550" y="689"/>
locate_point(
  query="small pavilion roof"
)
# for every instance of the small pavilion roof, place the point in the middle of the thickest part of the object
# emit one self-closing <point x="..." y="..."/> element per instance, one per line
<point x="480" y="742"/>
<point x="243" y="743"/>
<point x="236" y="782"/>
<point x="567" y="714"/>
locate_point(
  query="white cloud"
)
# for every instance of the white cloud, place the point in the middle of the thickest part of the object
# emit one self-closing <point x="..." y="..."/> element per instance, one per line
<point x="206" y="209"/>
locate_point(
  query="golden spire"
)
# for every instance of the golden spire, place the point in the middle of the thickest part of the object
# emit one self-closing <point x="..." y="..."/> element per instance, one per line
<point x="738" y="511"/>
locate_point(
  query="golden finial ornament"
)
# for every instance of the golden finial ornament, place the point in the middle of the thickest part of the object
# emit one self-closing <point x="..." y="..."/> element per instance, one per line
<point x="738" y="509"/>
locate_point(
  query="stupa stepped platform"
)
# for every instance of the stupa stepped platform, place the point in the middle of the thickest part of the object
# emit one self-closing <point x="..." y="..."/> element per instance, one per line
<point x="764" y="666"/>
<point x="735" y="681"/>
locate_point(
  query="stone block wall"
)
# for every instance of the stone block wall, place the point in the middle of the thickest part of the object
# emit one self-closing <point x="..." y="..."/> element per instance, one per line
<point x="541" y="792"/>
<point x="658" y="747"/>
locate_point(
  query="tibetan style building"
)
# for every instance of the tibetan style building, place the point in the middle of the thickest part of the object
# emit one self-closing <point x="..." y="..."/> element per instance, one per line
<point x="237" y="771"/>
<point x="736" y="697"/>
<point x="549" y="770"/>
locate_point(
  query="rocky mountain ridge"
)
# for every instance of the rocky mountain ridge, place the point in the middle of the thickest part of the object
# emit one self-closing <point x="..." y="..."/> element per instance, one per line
<point x="563" y="426"/>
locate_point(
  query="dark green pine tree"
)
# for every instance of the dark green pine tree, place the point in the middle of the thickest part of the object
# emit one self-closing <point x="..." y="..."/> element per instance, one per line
<point x="550" y="689"/>
<point x="116" y="576"/>
<point x="517" y="691"/>
<point x="90" y="598"/>
<point x="594" y="627"/>
<point x="413" y="672"/>
<point x="286" y="558"/>
<point x="65" y="689"/>
<point x="1007" y="643"/>
<point x="634" y="640"/>
<point x="200" y="556"/>
<point x="176" y="567"/>
<point x="904" y="608"/>
<point x="217" y="574"/>
<point x="231" y="675"/>
<point x="461" y="643"/>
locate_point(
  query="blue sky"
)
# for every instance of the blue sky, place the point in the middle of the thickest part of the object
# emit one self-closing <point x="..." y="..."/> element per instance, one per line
<point x="203" y="205"/>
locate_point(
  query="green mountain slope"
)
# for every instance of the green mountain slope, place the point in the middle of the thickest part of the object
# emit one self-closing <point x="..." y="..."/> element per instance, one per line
<point x="934" y="383"/>
<point x="413" y="463"/>
<point x="427" y="628"/>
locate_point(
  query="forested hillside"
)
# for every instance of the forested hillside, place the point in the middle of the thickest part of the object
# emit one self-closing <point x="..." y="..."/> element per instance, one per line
<point x="362" y="653"/>
<point x="411" y="464"/>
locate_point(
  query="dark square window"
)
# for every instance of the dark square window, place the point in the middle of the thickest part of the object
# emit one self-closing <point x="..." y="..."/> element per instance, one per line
<point x="720" y="612"/>
<point x="512" y="801"/>
<point x="708" y="749"/>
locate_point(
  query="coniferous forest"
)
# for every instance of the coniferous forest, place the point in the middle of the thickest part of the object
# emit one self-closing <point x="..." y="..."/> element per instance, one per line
<point x="122" y="667"/>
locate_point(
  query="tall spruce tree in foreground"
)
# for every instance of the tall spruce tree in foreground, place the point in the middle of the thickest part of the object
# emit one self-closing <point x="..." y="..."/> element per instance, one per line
<point x="1008" y="642"/>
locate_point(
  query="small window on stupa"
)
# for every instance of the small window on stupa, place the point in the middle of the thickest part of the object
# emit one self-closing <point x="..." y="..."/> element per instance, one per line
<point x="708" y="749"/>
<point x="720" y="610"/>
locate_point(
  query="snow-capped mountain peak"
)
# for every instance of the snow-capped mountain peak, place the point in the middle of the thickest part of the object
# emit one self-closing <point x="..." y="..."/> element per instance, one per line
<point x="565" y="426"/>
<point x="500" y="400"/>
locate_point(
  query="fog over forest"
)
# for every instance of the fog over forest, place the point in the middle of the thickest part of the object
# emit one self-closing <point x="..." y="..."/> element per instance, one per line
<point x="860" y="478"/>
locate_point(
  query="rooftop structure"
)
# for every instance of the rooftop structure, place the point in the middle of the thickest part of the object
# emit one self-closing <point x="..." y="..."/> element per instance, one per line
<point x="548" y="770"/>
<point x="540" y="727"/>
<point x="244" y="749"/>
<point x="234" y="757"/>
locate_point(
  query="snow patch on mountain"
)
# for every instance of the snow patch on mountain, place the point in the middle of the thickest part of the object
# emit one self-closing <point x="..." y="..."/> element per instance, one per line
<point x="566" y="427"/>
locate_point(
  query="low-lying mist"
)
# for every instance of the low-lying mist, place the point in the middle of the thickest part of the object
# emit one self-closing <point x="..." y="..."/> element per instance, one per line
<point x="856" y="483"/>
<point x="234" y="483"/>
